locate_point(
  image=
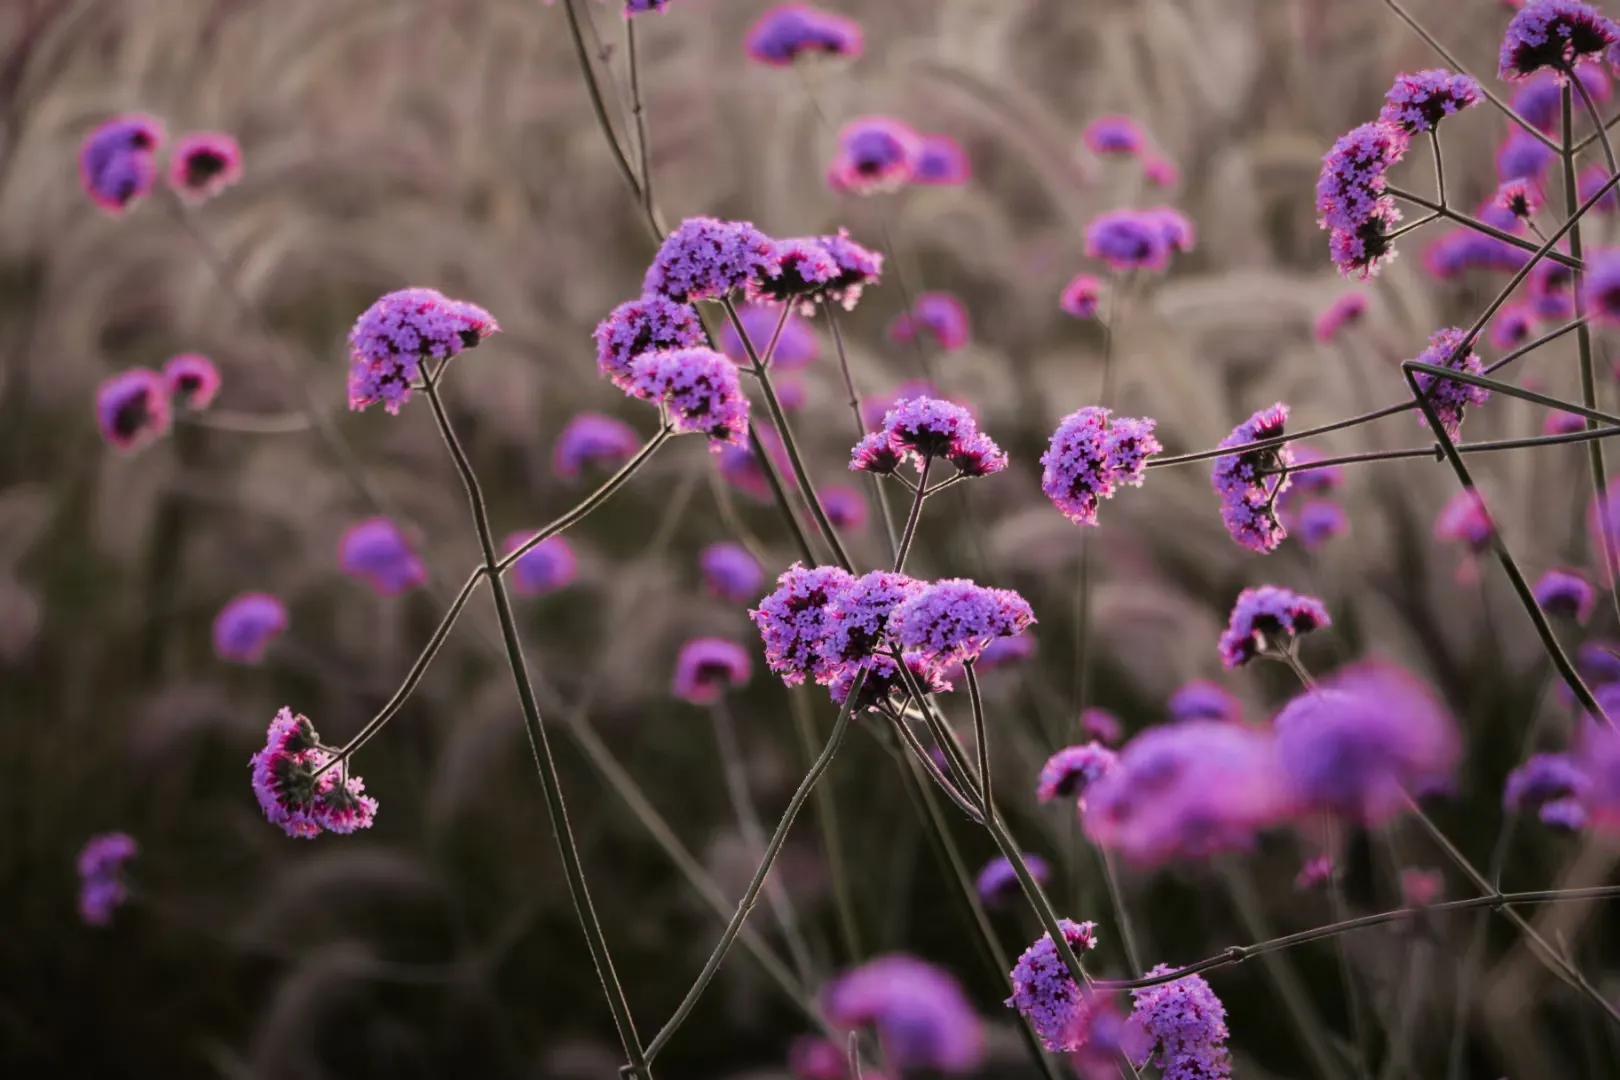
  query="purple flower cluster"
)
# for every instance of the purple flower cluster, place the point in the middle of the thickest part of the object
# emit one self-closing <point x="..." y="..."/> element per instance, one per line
<point x="402" y="331"/>
<point x="920" y="429"/>
<point x="102" y="889"/>
<point x="1352" y="200"/>
<point x="786" y="33"/>
<point x="1451" y="348"/>
<point x="707" y="668"/>
<point x="1456" y="252"/>
<point x="205" y="163"/>
<point x="592" y="440"/>
<point x="998" y="883"/>
<point x="1464" y="520"/>
<point x="1347" y="310"/>
<point x="636" y="327"/>
<point x="1092" y="455"/>
<point x="548" y="566"/>
<point x="191" y="381"/>
<point x="1519" y="197"/>
<point x="1069" y="772"/>
<point x="1187" y="1025"/>
<point x="701" y="390"/>
<point x="709" y="259"/>
<point x="875" y="154"/>
<point x="1046" y="993"/>
<point x="118" y="161"/>
<point x="132" y="409"/>
<point x="1420" y="100"/>
<point x="941" y="162"/>
<point x="1114" y="136"/>
<point x="376" y="552"/>
<point x="245" y="627"/>
<point x="938" y="315"/>
<point x="1139" y="239"/>
<point x="816" y="269"/>
<point x="1204" y="700"/>
<point x="922" y="1019"/>
<point x="1554" y="787"/>
<point x="796" y="346"/>
<point x="1563" y="592"/>
<point x="1269" y="618"/>
<point x="794" y="622"/>
<point x="1539" y="97"/>
<point x="1249" y="482"/>
<point x="731" y="573"/>
<point x="859" y="613"/>
<point x="1601" y="287"/>
<point x="1082" y="297"/>
<point x="290" y="793"/>
<point x="1555" y="35"/>
<point x="956" y="620"/>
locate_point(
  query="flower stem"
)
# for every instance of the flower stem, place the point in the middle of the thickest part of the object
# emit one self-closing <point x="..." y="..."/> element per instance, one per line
<point x="1434" y="451"/>
<point x="878" y="490"/>
<point x="1573" y="261"/>
<point x="1598" y="129"/>
<point x="909" y="535"/>
<point x="980" y="741"/>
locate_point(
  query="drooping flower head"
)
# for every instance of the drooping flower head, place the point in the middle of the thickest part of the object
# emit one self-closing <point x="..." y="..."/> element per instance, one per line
<point x="731" y="573"/>
<point x="1347" y="310"/>
<point x="921" y="1016"/>
<point x="1352" y="189"/>
<point x="101" y="863"/>
<point x="1187" y="1025"/>
<point x="700" y="389"/>
<point x="976" y="454"/>
<point x="1518" y="197"/>
<point x="794" y="621"/>
<point x="132" y="409"/>
<point x="875" y="154"/>
<point x="709" y="667"/>
<point x="245" y="627"/>
<point x="998" y="883"/>
<point x="858" y="267"/>
<point x="592" y="440"/>
<point x="786" y="33"/>
<point x="1129" y="240"/>
<point x="941" y="162"/>
<point x="1362" y="251"/>
<point x="1563" y="592"/>
<point x="877" y="453"/>
<point x="1046" y="993"/>
<point x="709" y="259"/>
<point x="1069" y="772"/>
<point x="1082" y="297"/>
<point x="548" y="566"/>
<point x="796" y="346"/>
<point x="938" y="315"/>
<point x="191" y="381"/>
<point x="205" y="163"/>
<point x="1269" y="619"/>
<point x="1555" y="35"/>
<point x="956" y="620"/>
<point x="1204" y="700"/>
<point x="1092" y="455"/>
<point x="1602" y="287"/>
<point x="1552" y="786"/>
<point x="394" y="337"/>
<point x="1179" y="234"/>
<point x="1363" y="740"/>
<point x="1418" y="101"/>
<point x="638" y="327"/>
<point x="118" y="161"/>
<point x="376" y="552"/>
<point x="1451" y="348"/>
<point x="927" y="427"/>
<point x="1249" y="482"/>
<point x="293" y="797"/>
<point x="1114" y="136"/>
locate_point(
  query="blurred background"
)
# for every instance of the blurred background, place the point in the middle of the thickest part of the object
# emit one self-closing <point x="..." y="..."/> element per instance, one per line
<point x="451" y="144"/>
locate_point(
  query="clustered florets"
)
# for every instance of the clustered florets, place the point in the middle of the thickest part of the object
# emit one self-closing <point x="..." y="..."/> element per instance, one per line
<point x="1269" y="619"/>
<point x="1092" y="455"/>
<point x="1451" y="348"/>
<point x="295" y="789"/>
<point x="396" y="337"/>
<point x="921" y="430"/>
<point x="1249" y="482"/>
<point x="1046" y="993"/>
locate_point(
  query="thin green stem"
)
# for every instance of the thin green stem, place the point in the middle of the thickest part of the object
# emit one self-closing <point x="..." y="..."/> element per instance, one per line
<point x="1439" y="166"/>
<point x="599" y="106"/>
<point x="980" y="740"/>
<point x="909" y="534"/>
<point x="590" y="503"/>
<point x="1435" y="452"/>
<point x="943" y="782"/>
<point x="831" y="832"/>
<point x="1573" y="261"/>
<point x="878" y="490"/>
<point x="644" y="151"/>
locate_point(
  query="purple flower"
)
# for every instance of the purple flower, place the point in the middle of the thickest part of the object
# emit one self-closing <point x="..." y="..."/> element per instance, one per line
<point x="1539" y="98"/>
<point x="1465" y="520"/>
<point x="592" y="440"/>
<point x="1114" y="136"/>
<point x="638" y="327"/>
<point x="1269" y="619"/>
<point x="376" y="552"/>
<point x="1364" y="250"/>
<point x="118" y="161"/>
<point x="642" y="7"/>
<point x="941" y="162"/>
<point x="1601" y="288"/>
<point x="795" y="622"/>
<point x="858" y="267"/>
<point x="1590" y="181"/>
<point x="1176" y="229"/>
<point x="1599" y="663"/>
<point x="1082" y="297"/>
<point x="1129" y="240"/>
<point x="1562" y="592"/>
<point x="802" y="270"/>
<point x="1347" y="310"/>
<point x="1100" y="724"/>
<point x="1598" y="755"/>
<point x="1560" y="422"/>
<point x="1513" y="325"/>
<point x="707" y="668"/>
<point x="998" y="882"/>
<point x="1319" y="521"/>
<point x="701" y="390"/>
<point x="1092" y="455"/>
<point x="191" y="381"/>
<point x="875" y="153"/>
<point x="1552" y="786"/>
<point x="1204" y="700"/>
<point x="927" y="427"/>
<point x="1522" y="156"/>
<point x="1069" y="772"/>
<point x="205" y="163"/>
<point x="101" y="863"/>
<point x="1046" y="993"/>
<point x="132" y="408"/>
<point x="1316" y="872"/>
<point x="1310" y="478"/>
<point x="1161" y="172"/>
<point x="882" y="681"/>
<point x="858" y="616"/>
<point x="1250" y="482"/>
<point x="811" y="1057"/>
<point x="922" y="1018"/>
<point x="796" y="347"/>
<point x="1187" y="1025"/>
<point x="548" y="566"/>
<point x="956" y="620"/>
<point x="293" y="797"/>
<point x="245" y="627"/>
<point x="1365" y="739"/>
<point x="1554" y="34"/>
<point x="877" y="453"/>
<point x="709" y="259"/>
<point x="1456" y="252"/>
<point x="1518" y="197"/>
<point x="731" y="572"/>
<point x="403" y="330"/>
<point x="1420" y="100"/>
<point x="1451" y="348"/>
<point x="1352" y="190"/>
<point x="940" y="316"/>
<point x="786" y="33"/>
<point x="846" y="508"/>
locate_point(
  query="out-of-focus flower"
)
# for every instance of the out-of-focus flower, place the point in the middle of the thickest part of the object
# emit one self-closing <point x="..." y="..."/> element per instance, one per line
<point x="1560" y="422"/>
<point x="245" y="627"/>
<point x="794" y="623"/>
<point x="1186" y="1023"/>
<point x="204" y="164"/>
<point x="1590" y="181"/>
<point x="875" y="154"/>
<point x="1250" y="482"/>
<point x="1421" y="887"/>
<point x="293" y="797"/>
<point x="743" y="469"/>
<point x="592" y="440"/>
<point x="642" y="7"/>
<point x="118" y="161"/>
<point x="731" y="572"/>
<point x="1100" y="724"/>
<point x="102" y="889"/>
<point x="922" y="428"/>
<point x="701" y="390"/>
<point x="1069" y="772"/>
<point x="1136" y="239"/>
<point x="709" y="667"/>
<point x="1461" y="250"/>
<point x="1539" y="97"/>
<point x="1465" y="520"/>
<point x="638" y="327"/>
<point x="1519" y="197"/>
<point x="1552" y="786"/>
<point x="956" y="620"/>
<point x="1269" y="618"/>
<point x="1161" y="172"/>
<point x="1523" y="157"/>
<point x="796" y="347"/>
<point x="132" y="408"/>
<point x="1347" y="310"/>
<point x="376" y="552"/>
<point x="191" y="381"/>
<point x="941" y="162"/>
<point x="846" y="508"/>
<point x="1418" y="101"/>
<point x="1315" y="872"/>
<point x="402" y="331"/>
<point x="785" y="34"/>
<point x="709" y="259"/>
<point x="548" y="566"/>
<point x="938" y="315"/>
<point x="1045" y="991"/>
<point x="998" y="881"/>
<point x="1513" y="326"/>
<point x="922" y="1019"/>
<point x="1556" y="35"/>
<point x="1092" y="455"/>
<point x="1082" y="297"/>
<point x="1602" y="287"/>
<point x="1563" y="592"/>
<point x="1204" y="700"/>
<point x="1114" y="136"/>
<point x="1317" y="522"/>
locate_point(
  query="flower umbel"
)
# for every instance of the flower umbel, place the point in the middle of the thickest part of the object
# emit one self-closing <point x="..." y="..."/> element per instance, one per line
<point x="403" y="331"/>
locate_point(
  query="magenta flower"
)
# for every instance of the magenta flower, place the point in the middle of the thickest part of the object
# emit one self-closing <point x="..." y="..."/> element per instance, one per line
<point x="245" y="627"/>
<point x="1315" y="872"/>
<point x="289" y="791"/>
<point x="1100" y="724"/>
<point x="592" y="440"/>
<point x="1131" y="240"/>
<point x="1186" y="1023"/>
<point x="811" y="1057"/>
<point x="743" y="469"/>
<point x="1523" y="157"/>
<point x="1420" y="100"/>
<point x="1518" y="197"/>
<point x="1269" y="619"/>
<point x="102" y="889"/>
<point x="1176" y="228"/>
<point x="642" y="7"/>
<point x="796" y="347"/>
<point x="1204" y="700"/>
<point x="858" y="267"/>
<point x="545" y="568"/>
<point x="1069" y="772"/>
<point x="1352" y="188"/>
<point x="376" y="552"/>
<point x="921" y="428"/>
<point x="1513" y="325"/>
<point x="1161" y="172"/>
<point x="709" y="667"/>
<point x="1465" y="520"/>
<point x="731" y="573"/>
<point x="875" y="154"/>
<point x="701" y="390"/>
<point x="118" y="161"/>
<point x="858" y="617"/>
<point x="1451" y="348"/>
<point x="941" y="162"/>
<point x="638" y="327"/>
<point x="1092" y="455"/>
<point x="785" y="34"/>
<point x="709" y="259"/>
<point x="923" y="1020"/>
<point x="846" y="508"/>
<point x="205" y="163"/>
<point x="803" y="269"/>
<point x="1556" y="35"/>
<point x="1565" y="593"/>
<point x="938" y="315"/>
<point x="1082" y="297"/>
<point x="191" y="381"/>
<point x="795" y="623"/>
<point x="956" y="620"/>
<point x="1559" y="422"/>
<point x="1601" y="288"/>
<point x="1317" y="522"/>
<point x="1114" y="136"/>
<point x="1347" y="310"/>
<point x="402" y="331"/>
<point x="132" y="409"/>
<point x="1554" y="787"/>
<point x="1364" y="250"/>
<point x="1309" y="478"/>
<point x="1455" y="253"/>
<point x="1046" y="993"/>
<point x="1250" y="482"/>
<point x="998" y="881"/>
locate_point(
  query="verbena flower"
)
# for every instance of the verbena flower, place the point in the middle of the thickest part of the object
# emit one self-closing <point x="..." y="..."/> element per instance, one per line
<point x="1513" y="325"/>
<point x="976" y="455"/>
<point x="1598" y="754"/>
<point x="1362" y="251"/>
<point x="1451" y="348"/>
<point x="1249" y="482"/>
<point x="1347" y="310"/>
<point x="927" y="427"/>
<point x="1317" y="522"/>
<point x="858" y="267"/>
<point x="875" y="154"/>
<point x="955" y="619"/>
<point x="376" y="552"/>
<point x="1563" y="592"/>
<point x="1539" y="97"/>
<point x="1352" y="189"/>
<point x="1363" y="740"/>
<point x="700" y="389"/>
<point x="730" y="572"/>
<point x="858" y="616"/>
<point x="1176" y="228"/>
<point x="1069" y="772"/>
<point x="1465" y="520"/>
<point x="1269" y="618"/>
<point x="998" y="881"/>
<point x="938" y="315"/>
<point x="1187" y="1025"/>
<point x="796" y="347"/>
<point x="101" y="863"/>
<point x="786" y="33"/>
<point x="1046" y="993"/>
<point x="1522" y="156"/>
<point x="1601" y="287"/>
<point x="245" y="627"/>
<point x="1591" y="180"/>
<point x="1518" y="197"/>
<point x="132" y="409"/>
<point x="846" y="508"/>
<point x="402" y="331"/>
<point x="289" y="792"/>
<point x="545" y="568"/>
<point x="1310" y="478"/>
<point x="795" y="623"/>
<point x="191" y="380"/>
<point x="1129" y="240"/>
<point x="1100" y="724"/>
<point x="1456" y="252"/>
<point x="1204" y="700"/>
<point x="1552" y="786"/>
<point x="638" y="327"/>
<point x="709" y="259"/>
<point x="1560" y="422"/>
<point x="1418" y="101"/>
<point x="1555" y="35"/>
<point x="1114" y="136"/>
<point x="921" y="1016"/>
<point x="1161" y="172"/>
<point x="1550" y="286"/>
<point x="118" y="161"/>
<point x="592" y="440"/>
<point x="1421" y="887"/>
<point x="1091" y="456"/>
<point x="708" y="668"/>
<point x="802" y="270"/>
<point x="1082" y="297"/>
<point x="941" y="162"/>
<point x="642" y="7"/>
<point x="204" y="164"/>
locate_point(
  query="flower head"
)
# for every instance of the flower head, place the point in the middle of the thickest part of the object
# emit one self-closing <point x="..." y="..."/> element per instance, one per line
<point x="709" y="259"/>
<point x="1045" y="991"/>
<point x="1187" y="1025"/>
<point x="708" y="667"/>
<point x="1553" y="786"/>
<point x="1451" y="348"/>
<point x="1317" y="522"/>
<point x="1602" y="287"/>
<point x="882" y="680"/>
<point x="875" y="153"/>
<point x="638" y="327"/>
<point x="941" y="162"/>
<point x="731" y="573"/>
<point x="1555" y="35"/>
<point x="191" y="381"/>
<point x="785" y="34"/>
<point x="1420" y="100"/>
<point x="1204" y="700"/>
<point x="1082" y="297"/>
<point x="846" y="507"/>
<point x="1250" y="481"/>
<point x="877" y="453"/>
<point x="1352" y="189"/>
<point x="1069" y="772"/>
<point x="1523" y="157"/>
<point x="1269" y="618"/>
<point x="1161" y="172"/>
<point x="132" y="408"/>
<point x="1562" y="592"/>
<point x="920" y="1014"/>
<point x="1092" y="455"/>
<point x="118" y="161"/>
<point x="1362" y="251"/>
<point x="858" y="267"/>
<point x="1114" y="136"/>
<point x="1513" y="325"/>
<point x="938" y="315"/>
<point x="858" y="616"/>
<point x="245" y="627"/>
<point x="925" y="427"/>
<point x="290" y="793"/>
<point x="101" y="863"/>
<point x="701" y="390"/>
<point x="1518" y="197"/>
<point x="802" y="271"/>
<point x="402" y="331"/>
<point x="548" y="566"/>
<point x="955" y="619"/>
<point x="592" y="440"/>
<point x="998" y="881"/>
<point x="376" y="552"/>
<point x="795" y="622"/>
<point x="1130" y="240"/>
<point x="1465" y="520"/>
<point x="1100" y="724"/>
<point x="1347" y="310"/>
<point x="205" y="163"/>
<point x="1539" y="97"/>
